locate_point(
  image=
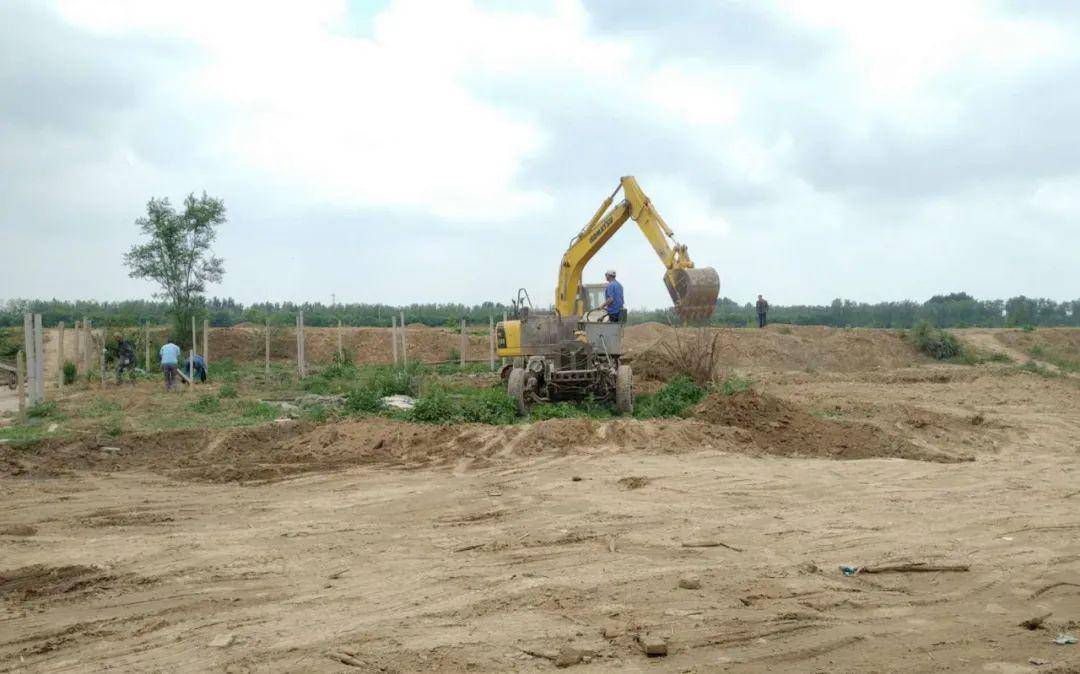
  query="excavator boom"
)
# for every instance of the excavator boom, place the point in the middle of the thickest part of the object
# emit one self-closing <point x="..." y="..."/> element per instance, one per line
<point x="693" y="289"/>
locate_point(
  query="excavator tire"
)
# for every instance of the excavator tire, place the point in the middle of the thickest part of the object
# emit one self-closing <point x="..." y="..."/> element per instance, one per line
<point x="515" y="388"/>
<point x="624" y="390"/>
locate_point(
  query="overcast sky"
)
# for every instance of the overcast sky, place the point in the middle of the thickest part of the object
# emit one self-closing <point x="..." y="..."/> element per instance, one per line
<point x="447" y="150"/>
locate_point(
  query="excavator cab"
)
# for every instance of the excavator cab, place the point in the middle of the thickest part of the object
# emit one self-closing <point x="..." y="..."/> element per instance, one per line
<point x="592" y="299"/>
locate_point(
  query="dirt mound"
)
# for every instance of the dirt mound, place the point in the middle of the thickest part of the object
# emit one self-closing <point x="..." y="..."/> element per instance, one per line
<point x="776" y="348"/>
<point x="36" y="581"/>
<point x="780" y="428"/>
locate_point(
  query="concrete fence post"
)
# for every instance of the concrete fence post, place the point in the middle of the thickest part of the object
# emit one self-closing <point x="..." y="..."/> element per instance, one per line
<point x="39" y="359"/>
<point x="393" y="337"/>
<point x="20" y="385"/>
<point x="78" y="345"/>
<point x="60" y="357"/>
<point x="88" y="343"/>
<point x="146" y="344"/>
<point x="404" y="346"/>
<point x="491" y="342"/>
<point x="266" y="335"/>
<point x="464" y="343"/>
<point x="28" y="351"/>
<point x="340" y="348"/>
<point x="206" y="344"/>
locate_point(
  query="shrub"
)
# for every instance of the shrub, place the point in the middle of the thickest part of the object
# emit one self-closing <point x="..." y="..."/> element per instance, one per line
<point x="388" y="381"/>
<point x="1028" y="328"/>
<point x="674" y="400"/>
<point x="489" y="406"/>
<point x="936" y="343"/>
<point x="363" y="399"/>
<point x="318" y="413"/>
<point x="228" y="391"/>
<point x="71" y="372"/>
<point x="435" y="407"/>
<point x="207" y="404"/>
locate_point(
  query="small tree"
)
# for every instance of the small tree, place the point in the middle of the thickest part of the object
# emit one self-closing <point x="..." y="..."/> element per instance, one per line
<point x="178" y="254"/>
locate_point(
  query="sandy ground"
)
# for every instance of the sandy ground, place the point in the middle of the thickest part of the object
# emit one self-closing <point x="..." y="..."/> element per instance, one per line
<point x="478" y="551"/>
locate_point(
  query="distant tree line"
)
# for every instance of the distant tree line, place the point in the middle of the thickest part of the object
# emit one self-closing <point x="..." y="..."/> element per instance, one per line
<point x="955" y="310"/>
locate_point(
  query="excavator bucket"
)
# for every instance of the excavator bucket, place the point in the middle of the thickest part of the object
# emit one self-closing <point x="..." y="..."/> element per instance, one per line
<point x="694" y="292"/>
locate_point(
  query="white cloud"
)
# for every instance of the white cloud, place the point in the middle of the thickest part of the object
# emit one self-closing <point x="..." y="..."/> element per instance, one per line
<point x="828" y="139"/>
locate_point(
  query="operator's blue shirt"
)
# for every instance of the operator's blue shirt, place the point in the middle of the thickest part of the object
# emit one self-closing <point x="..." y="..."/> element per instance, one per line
<point x="613" y="292"/>
<point x="169" y="354"/>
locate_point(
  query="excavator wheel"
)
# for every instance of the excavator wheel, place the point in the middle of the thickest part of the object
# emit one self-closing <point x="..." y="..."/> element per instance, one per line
<point x="515" y="388"/>
<point x="624" y="390"/>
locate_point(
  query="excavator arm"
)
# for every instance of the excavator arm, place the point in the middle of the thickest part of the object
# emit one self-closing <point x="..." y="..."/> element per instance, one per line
<point x="693" y="290"/>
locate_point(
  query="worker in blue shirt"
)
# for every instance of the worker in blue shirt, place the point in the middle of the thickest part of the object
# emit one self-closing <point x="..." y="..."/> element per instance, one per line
<point x="170" y="356"/>
<point x="613" y="302"/>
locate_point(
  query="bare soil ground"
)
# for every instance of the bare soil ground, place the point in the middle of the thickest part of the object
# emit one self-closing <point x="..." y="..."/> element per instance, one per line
<point x="378" y="545"/>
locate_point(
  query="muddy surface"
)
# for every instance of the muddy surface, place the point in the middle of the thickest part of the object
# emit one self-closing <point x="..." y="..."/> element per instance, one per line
<point x="403" y="547"/>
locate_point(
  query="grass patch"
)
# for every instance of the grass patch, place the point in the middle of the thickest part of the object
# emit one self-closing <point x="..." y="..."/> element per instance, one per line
<point x="228" y="391"/>
<point x="676" y="399"/>
<point x="1036" y="368"/>
<point x="207" y="404"/>
<point x="560" y="410"/>
<point x="732" y="384"/>
<point x="42" y="410"/>
<point x="255" y="410"/>
<point x="71" y="372"/>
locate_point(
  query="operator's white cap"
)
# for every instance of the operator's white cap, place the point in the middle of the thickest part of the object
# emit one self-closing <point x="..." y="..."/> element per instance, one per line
<point x="609" y="272"/>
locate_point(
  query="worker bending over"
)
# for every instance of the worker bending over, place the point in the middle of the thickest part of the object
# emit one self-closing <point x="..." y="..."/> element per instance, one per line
<point x="613" y="302"/>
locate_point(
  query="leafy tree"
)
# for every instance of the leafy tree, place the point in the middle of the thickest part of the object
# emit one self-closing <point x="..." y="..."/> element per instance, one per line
<point x="178" y="254"/>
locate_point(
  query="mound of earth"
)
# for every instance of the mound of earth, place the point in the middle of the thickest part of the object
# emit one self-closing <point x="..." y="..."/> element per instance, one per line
<point x="778" y="427"/>
<point x="776" y="348"/>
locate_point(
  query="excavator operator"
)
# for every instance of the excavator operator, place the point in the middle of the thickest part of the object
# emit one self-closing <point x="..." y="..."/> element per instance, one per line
<point x="613" y="302"/>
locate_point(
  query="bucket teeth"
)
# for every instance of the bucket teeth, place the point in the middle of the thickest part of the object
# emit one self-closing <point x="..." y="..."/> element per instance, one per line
<point x="694" y="292"/>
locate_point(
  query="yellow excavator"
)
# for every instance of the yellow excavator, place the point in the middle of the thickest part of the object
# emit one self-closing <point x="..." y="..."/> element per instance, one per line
<point x="573" y="353"/>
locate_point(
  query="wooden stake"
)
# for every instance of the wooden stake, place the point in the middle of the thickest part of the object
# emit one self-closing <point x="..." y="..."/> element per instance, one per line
<point x="393" y="337"/>
<point x="464" y="342"/>
<point x="266" y="333"/>
<point x="104" y="337"/>
<point x="491" y="341"/>
<point x="39" y="359"/>
<point x="404" y="347"/>
<point x="60" y="357"/>
<point x="20" y="386"/>
<point x="340" y="350"/>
